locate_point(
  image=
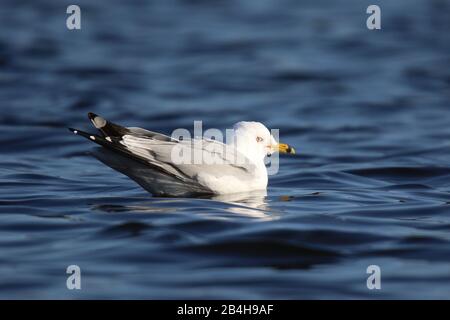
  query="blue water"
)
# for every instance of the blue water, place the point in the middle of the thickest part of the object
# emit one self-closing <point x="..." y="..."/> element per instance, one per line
<point x="368" y="112"/>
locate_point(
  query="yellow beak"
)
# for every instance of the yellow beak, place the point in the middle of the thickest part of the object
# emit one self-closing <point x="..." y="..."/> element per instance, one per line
<point x="285" y="148"/>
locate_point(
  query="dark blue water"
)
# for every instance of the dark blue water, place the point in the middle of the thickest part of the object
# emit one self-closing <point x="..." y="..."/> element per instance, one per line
<point x="368" y="112"/>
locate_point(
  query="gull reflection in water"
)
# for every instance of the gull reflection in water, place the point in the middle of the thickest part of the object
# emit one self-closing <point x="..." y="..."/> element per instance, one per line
<point x="250" y="204"/>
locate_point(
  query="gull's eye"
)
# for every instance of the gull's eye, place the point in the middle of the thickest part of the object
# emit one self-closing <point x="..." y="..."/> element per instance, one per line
<point x="259" y="139"/>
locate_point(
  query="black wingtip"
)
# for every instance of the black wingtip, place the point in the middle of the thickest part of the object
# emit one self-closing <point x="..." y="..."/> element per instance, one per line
<point x="75" y="131"/>
<point x="97" y="121"/>
<point x="107" y="128"/>
<point x="92" y="115"/>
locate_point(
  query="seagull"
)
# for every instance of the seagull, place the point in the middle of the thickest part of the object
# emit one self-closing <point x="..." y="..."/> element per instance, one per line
<point x="167" y="166"/>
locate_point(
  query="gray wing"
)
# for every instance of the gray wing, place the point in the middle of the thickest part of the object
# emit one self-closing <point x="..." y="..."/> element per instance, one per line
<point x="191" y="157"/>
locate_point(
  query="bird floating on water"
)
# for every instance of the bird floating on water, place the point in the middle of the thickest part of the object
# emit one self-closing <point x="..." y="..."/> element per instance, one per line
<point x="157" y="161"/>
